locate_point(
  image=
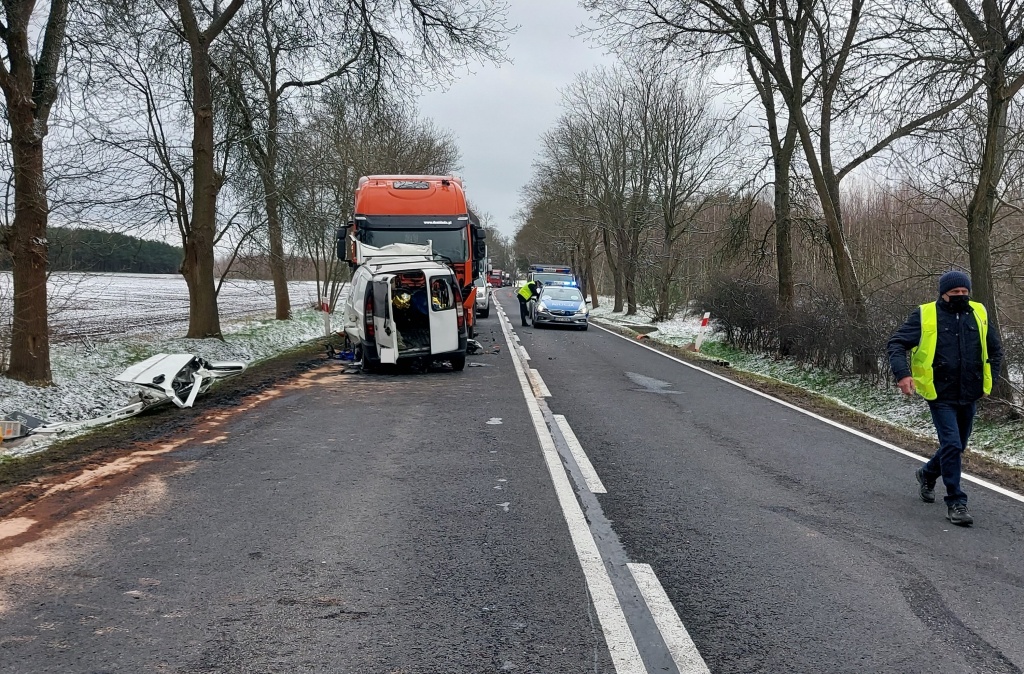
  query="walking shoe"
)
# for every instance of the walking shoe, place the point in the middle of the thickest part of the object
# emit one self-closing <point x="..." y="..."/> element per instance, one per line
<point x="926" y="488"/>
<point x="958" y="515"/>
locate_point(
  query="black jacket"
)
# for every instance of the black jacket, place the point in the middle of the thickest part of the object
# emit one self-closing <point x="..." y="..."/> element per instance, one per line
<point x="957" y="365"/>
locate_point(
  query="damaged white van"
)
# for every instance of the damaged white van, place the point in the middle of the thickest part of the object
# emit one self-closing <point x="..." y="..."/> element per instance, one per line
<point x="405" y="304"/>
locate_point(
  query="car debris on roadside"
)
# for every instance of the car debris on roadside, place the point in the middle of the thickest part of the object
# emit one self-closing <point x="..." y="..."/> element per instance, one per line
<point x="164" y="378"/>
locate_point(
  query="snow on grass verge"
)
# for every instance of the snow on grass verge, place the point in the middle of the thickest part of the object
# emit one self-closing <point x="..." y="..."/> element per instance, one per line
<point x="83" y="371"/>
<point x="1002" y="441"/>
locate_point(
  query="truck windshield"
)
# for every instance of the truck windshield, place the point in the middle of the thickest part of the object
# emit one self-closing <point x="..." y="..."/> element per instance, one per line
<point x="448" y="242"/>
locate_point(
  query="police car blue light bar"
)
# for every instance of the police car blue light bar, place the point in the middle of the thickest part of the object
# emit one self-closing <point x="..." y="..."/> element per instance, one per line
<point x="547" y="269"/>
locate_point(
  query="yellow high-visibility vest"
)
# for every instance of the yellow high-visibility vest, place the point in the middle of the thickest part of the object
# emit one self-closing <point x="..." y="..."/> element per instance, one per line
<point x="526" y="292"/>
<point x="922" y="357"/>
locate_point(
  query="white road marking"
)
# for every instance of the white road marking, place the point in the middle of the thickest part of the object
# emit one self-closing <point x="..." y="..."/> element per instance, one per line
<point x="621" y="646"/>
<point x="538" y="384"/>
<point x="684" y="652"/>
<point x="853" y="431"/>
<point x="594" y="483"/>
<point x="493" y="421"/>
<point x="523" y="354"/>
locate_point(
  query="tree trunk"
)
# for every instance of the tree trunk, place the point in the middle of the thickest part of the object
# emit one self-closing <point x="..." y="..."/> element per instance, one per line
<point x="668" y="270"/>
<point x="981" y="210"/>
<point x="29" y="77"/>
<point x="826" y="186"/>
<point x="783" y="161"/>
<point x="197" y="267"/>
<point x="617" y="301"/>
<point x="30" y="341"/>
<point x="278" y="273"/>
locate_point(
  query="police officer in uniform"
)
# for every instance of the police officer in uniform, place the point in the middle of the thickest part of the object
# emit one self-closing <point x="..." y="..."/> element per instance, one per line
<point x="528" y="292"/>
<point x="954" y="356"/>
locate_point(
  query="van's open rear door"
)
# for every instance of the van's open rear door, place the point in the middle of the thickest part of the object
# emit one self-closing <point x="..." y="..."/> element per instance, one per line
<point x="384" y="329"/>
<point x="444" y="321"/>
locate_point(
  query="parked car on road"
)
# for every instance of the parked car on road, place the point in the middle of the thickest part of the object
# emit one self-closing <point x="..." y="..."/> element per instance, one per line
<point x="561" y="305"/>
<point x="483" y="297"/>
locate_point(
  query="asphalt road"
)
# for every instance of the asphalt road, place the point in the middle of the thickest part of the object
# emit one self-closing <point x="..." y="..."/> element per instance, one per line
<point x="785" y="544"/>
<point x="439" y="522"/>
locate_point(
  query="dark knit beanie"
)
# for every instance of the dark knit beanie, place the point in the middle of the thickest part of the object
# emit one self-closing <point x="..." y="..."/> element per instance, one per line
<point x="953" y="279"/>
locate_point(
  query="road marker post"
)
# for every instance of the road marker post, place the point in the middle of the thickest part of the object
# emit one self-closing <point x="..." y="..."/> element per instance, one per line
<point x="702" y="331"/>
<point x="326" y="308"/>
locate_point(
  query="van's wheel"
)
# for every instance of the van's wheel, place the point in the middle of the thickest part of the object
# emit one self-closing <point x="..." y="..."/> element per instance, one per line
<point x="458" y="362"/>
<point x="485" y="313"/>
<point x="369" y="364"/>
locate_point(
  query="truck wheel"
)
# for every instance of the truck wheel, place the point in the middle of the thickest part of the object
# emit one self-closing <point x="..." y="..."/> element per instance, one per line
<point x="458" y="362"/>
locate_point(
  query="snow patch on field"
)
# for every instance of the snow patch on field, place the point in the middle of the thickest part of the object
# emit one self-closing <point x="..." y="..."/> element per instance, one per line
<point x="1001" y="441"/>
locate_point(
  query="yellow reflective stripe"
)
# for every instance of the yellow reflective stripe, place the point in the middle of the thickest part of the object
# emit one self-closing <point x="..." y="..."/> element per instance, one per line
<point x="981" y="318"/>
<point x="923" y="355"/>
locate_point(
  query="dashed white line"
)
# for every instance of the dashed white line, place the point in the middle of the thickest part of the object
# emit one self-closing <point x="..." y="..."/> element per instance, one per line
<point x="594" y="483"/>
<point x="684" y="652"/>
<point x="621" y="646"/>
<point x="539" y="386"/>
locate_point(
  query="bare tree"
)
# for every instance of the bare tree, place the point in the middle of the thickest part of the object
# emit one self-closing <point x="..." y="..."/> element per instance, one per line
<point x="28" y="77"/>
<point x="831" y="64"/>
<point x="286" y="46"/>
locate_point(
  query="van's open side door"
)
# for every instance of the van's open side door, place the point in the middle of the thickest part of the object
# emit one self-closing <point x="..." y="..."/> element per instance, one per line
<point x="385" y="332"/>
<point x="444" y="321"/>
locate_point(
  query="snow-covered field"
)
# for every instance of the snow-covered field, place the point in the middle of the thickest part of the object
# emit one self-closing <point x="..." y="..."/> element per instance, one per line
<point x="104" y="323"/>
<point x="98" y="306"/>
<point x="1002" y="441"/>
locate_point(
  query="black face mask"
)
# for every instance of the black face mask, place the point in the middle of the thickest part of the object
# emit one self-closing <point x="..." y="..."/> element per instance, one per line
<point x="959" y="303"/>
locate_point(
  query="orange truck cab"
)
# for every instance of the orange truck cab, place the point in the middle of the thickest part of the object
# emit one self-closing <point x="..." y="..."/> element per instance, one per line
<point x="418" y="209"/>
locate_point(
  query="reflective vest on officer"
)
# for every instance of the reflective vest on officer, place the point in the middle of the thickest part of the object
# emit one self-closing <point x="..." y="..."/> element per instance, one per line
<point x="527" y="291"/>
<point x="922" y="357"/>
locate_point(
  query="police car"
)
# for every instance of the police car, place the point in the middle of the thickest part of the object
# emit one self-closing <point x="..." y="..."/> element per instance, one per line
<point x="561" y="304"/>
<point x="551" y="274"/>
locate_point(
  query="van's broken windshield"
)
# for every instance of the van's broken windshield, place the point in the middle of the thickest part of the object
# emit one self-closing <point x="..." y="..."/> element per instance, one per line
<point x="450" y="243"/>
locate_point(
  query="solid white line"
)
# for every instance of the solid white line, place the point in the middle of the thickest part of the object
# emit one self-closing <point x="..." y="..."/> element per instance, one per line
<point x="970" y="478"/>
<point x="594" y="483"/>
<point x="680" y="645"/>
<point x="538" y="385"/>
<point x="621" y="646"/>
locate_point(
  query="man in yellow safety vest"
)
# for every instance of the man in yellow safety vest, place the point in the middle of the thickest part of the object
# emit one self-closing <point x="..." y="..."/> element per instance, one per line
<point x="529" y="291"/>
<point x="954" y="356"/>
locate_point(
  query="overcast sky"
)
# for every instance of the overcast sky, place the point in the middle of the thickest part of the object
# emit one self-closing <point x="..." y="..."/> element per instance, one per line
<point x="498" y="114"/>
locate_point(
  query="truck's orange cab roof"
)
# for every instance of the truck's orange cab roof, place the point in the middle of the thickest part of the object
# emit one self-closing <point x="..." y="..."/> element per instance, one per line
<point x="410" y="195"/>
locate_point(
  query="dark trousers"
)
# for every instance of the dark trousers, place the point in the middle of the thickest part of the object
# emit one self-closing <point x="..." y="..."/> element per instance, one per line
<point x="522" y="309"/>
<point x="953" y="423"/>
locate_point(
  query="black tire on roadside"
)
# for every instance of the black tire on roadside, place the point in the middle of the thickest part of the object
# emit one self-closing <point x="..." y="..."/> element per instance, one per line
<point x="485" y="313"/>
<point x="458" y="362"/>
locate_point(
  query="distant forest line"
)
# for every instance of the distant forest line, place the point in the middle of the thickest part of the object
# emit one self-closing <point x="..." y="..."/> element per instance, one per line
<point x="98" y="251"/>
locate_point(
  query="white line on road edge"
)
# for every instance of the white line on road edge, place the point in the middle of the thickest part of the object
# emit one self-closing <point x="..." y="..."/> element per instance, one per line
<point x="538" y="384"/>
<point x="684" y="652"/>
<point x="594" y="483"/>
<point x="970" y="478"/>
<point x="522" y="353"/>
<point x="621" y="646"/>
